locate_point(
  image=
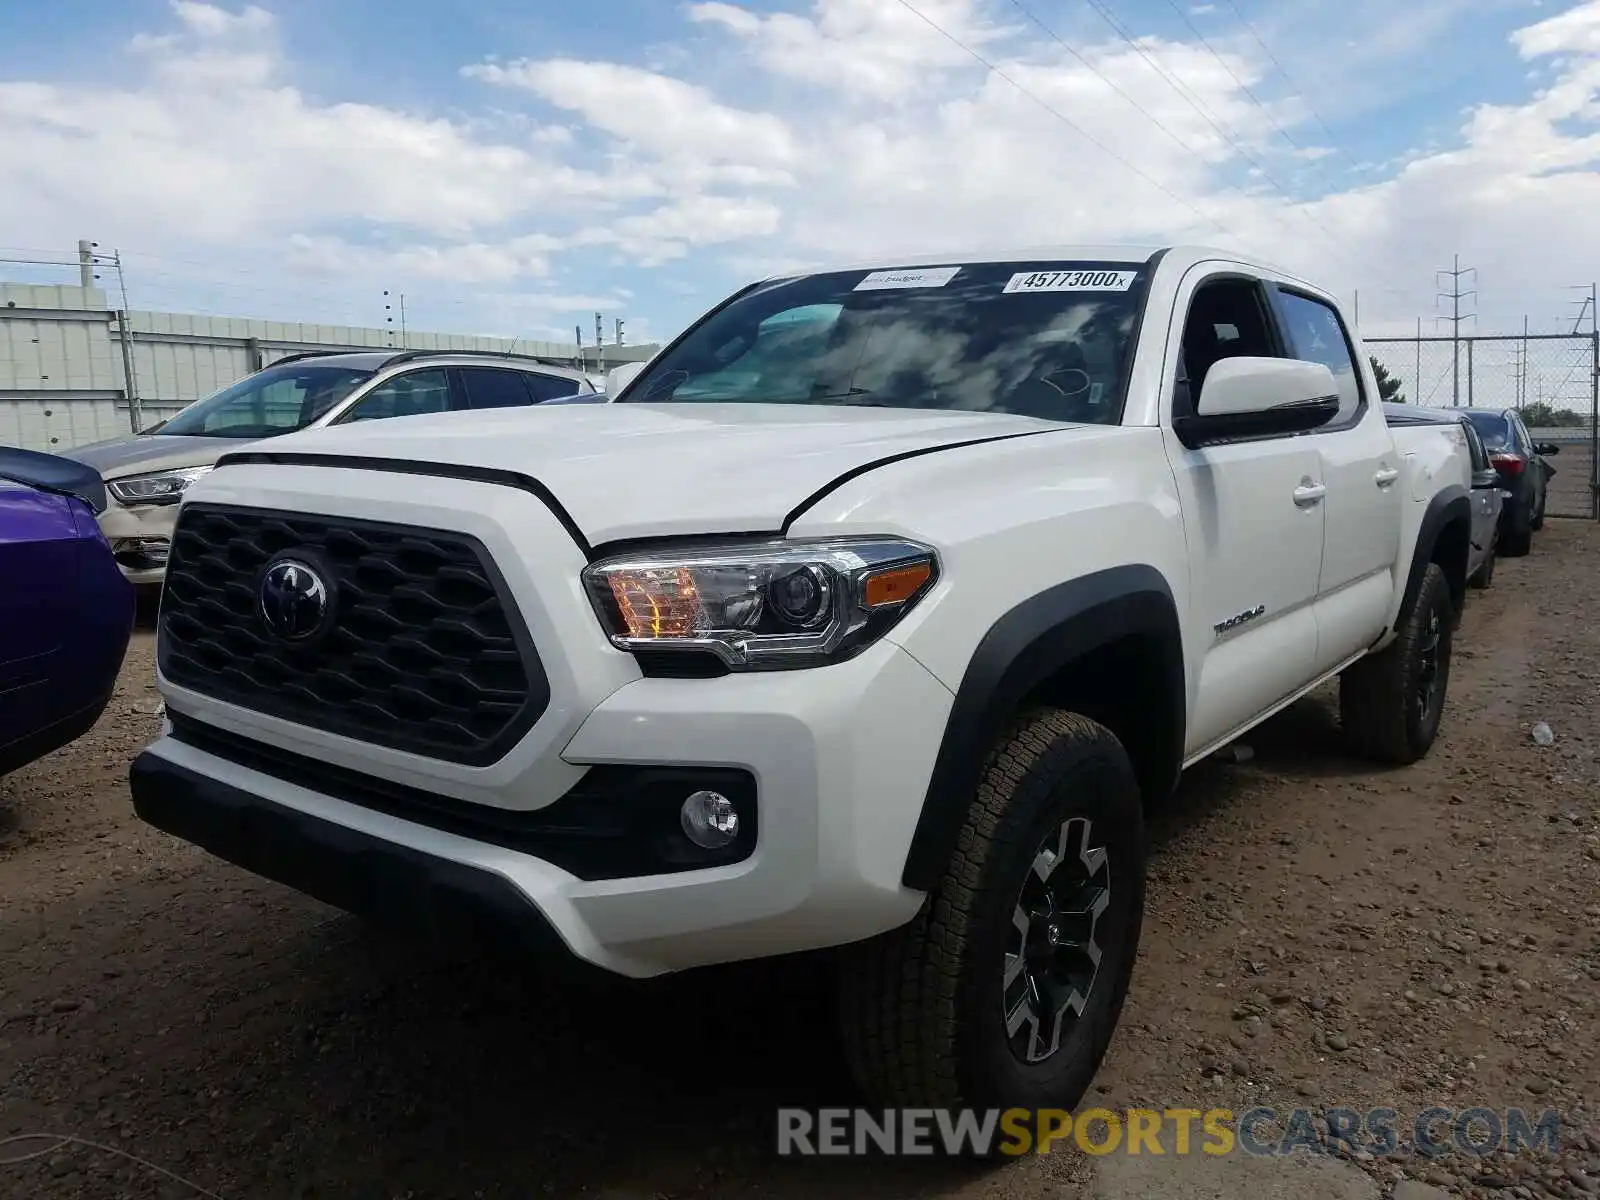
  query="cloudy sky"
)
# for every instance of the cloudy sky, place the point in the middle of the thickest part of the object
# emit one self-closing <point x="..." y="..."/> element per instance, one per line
<point x="514" y="165"/>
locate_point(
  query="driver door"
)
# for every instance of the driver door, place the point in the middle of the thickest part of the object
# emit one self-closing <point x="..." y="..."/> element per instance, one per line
<point x="1253" y="515"/>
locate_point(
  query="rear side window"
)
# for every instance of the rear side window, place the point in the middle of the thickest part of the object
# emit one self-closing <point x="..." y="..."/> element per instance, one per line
<point x="408" y="395"/>
<point x="1316" y="334"/>
<point x="1494" y="429"/>
<point x="1523" y="438"/>
<point x="490" y="387"/>
<point x="549" y="387"/>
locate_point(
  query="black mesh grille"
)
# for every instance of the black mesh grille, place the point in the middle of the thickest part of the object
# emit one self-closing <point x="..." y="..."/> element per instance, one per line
<point x="425" y="651"/>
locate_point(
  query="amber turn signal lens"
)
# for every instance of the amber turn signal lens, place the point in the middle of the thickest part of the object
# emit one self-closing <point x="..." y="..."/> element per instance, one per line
<point x="656" y="603"/>
<point x="895" y="586"/>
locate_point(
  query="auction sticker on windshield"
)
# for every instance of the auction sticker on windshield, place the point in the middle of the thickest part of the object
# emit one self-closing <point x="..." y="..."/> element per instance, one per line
<point x="928" y="277"/>
<point x="1071" y="281"/>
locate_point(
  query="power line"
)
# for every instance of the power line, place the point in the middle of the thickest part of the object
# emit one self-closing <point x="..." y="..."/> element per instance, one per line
<point x="1186" y="94"/>
<point x="1232" y="74"/>
<point x="1298" y="91"/>
<point x="1109" y="82"/>
<point x="1063" y="118"/>
<point x="1161" y="125"/>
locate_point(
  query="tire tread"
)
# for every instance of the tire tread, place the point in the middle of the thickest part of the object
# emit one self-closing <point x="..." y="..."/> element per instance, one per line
<point x="901" y="991"/>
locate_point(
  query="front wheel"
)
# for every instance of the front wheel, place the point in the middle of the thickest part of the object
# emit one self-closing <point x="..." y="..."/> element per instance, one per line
<point x="1391" y="703"/>
<point x="1004" y="990"/>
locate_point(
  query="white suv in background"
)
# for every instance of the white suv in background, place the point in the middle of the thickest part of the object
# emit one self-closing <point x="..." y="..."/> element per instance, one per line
<point x="146" y="473"/>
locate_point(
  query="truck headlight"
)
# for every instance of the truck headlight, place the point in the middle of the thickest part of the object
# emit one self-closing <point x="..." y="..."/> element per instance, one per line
<point x="158" y="487"/>
<point x="762" y="605"/>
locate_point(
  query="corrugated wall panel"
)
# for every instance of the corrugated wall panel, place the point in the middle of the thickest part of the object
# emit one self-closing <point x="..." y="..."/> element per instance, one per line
<point x="81" y="350"/>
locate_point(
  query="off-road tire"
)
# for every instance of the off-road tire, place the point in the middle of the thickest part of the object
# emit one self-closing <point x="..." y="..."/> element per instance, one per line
<point x="922" y="1006"/>
<point x="1484" y="576"/>
<point x="1379" y="695"/>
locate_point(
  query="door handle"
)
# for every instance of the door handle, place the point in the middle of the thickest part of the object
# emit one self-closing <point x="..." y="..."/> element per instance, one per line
<point x="1384" y="477"/>
<point x="1308" y="494"/>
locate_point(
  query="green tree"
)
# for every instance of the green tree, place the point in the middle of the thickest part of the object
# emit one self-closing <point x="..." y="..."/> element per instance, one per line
<point x="1540" y="415"/>
<point x="1388" y="385"/>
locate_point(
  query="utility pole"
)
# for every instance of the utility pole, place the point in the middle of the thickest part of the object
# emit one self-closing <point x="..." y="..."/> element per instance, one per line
<point x="388" y="319"/>
<point x="130" y="366"/>
<point x="85" y="263"/>
<point x="618" y="336"/>
<point x="1455" y="295"/>
<point x="1416" y="396"/>
<point x="577" y="335"/>
<point x="599" y="342"/>
<point x="1522" y="367"/>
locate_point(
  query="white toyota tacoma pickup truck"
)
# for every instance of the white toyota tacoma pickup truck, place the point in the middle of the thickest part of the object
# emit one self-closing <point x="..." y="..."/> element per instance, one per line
<point x="872" y="615"/>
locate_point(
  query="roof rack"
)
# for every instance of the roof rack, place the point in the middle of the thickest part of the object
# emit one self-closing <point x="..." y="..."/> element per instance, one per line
<point x="545" y="360"/>
<point x="299" y="354"/>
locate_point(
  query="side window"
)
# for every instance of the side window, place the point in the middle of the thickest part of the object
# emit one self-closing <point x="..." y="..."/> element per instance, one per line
<point x="549" y="387"/>
<point x="1227" y="319"/>
<point x="494" y="387"/>
<point x="1316" y="334"/>
<point x="407" y="395"/>
<point x="1523" y="437"/>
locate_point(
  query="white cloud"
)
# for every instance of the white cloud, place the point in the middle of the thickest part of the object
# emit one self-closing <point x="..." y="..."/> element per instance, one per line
<point x="850" y="129"/>
<point x="876" y="49"/>
<point x="654" y="113"/>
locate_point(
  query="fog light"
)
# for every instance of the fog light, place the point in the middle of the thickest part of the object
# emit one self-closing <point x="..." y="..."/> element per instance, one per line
<point x="710" y="820"/>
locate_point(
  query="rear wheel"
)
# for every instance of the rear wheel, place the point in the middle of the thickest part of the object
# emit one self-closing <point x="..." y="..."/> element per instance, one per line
<point x="1518" y="537"/>
<point x="1391" y="703"/>
<point x="1004" y="990"/>
<point x="1538" y="517"/>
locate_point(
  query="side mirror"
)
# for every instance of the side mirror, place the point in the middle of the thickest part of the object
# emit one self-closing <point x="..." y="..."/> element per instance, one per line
<point x="1245" y="398"/>
<point x="1486" y="478"/>
<point x="1546" y="449"/>
<point x="620" y="377"/>
<point x="53" y="473"/>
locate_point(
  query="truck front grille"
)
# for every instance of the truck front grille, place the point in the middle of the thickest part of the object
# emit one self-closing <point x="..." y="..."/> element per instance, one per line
<point x="422" y="648"/>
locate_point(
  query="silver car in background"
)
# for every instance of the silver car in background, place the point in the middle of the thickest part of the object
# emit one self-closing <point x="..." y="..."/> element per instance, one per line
<point x="1488" y="490"/>
<point x="146" y="473"/>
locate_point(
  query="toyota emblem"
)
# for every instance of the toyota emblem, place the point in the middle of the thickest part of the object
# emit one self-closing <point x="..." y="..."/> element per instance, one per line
<point x="295" y="600"/>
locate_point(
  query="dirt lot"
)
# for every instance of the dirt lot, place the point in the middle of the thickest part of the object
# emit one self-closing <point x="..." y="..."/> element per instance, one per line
<point x="1318" y="932"/>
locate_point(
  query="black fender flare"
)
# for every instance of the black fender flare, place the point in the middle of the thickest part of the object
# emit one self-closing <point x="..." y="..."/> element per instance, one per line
<point x="1026" y="646"/>
<point x="1452" y="503"/>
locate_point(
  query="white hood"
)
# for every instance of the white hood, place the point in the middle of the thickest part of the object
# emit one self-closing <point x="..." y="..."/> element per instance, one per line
<point x="645" y="470"/>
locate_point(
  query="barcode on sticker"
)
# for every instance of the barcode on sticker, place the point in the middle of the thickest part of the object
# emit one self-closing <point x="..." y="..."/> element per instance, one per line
<point x="926" y="277"/>
<point x="1071" y="281"/>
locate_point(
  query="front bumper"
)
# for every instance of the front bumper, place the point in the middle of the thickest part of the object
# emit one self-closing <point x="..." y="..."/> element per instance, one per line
<point x="140" y="539"/>
<point x="840" y="756"/>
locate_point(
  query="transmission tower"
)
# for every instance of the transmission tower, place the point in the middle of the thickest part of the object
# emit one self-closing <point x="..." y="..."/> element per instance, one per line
<point x="1455" y="295"/>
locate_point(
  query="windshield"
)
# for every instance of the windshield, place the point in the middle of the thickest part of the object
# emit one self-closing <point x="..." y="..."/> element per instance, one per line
<point x="1494" y="429"/>
<point x="1041" y="339"/>
<point x="276" y="400"/>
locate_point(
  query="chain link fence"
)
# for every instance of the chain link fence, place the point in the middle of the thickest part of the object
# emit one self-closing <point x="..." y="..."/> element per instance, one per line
<point x="1551" y="379"/>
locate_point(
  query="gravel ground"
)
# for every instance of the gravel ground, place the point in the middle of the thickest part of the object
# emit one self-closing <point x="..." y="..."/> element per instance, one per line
<point x="1319" y="933"/>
